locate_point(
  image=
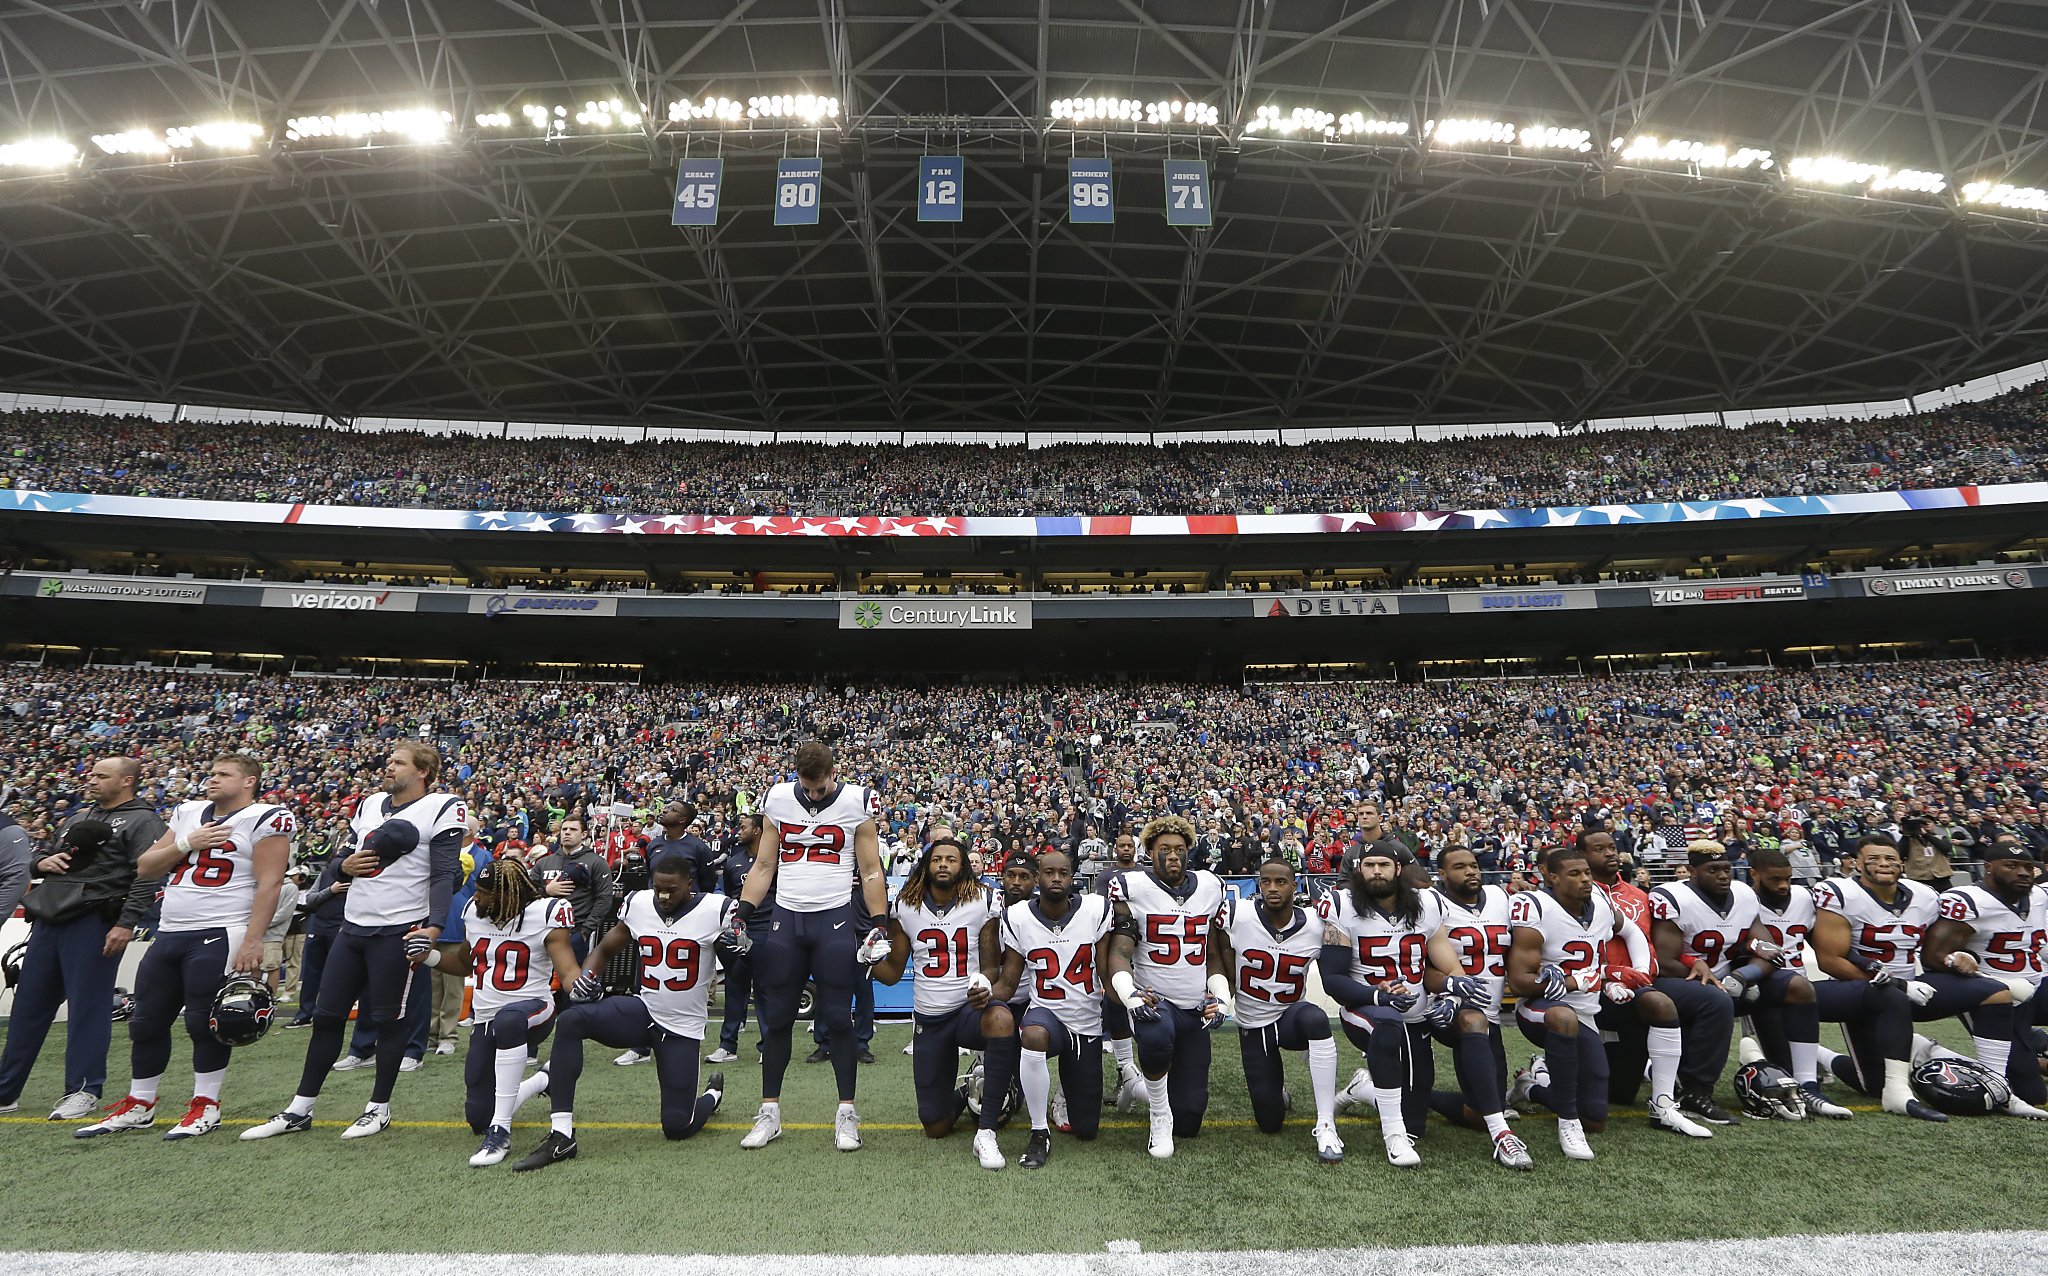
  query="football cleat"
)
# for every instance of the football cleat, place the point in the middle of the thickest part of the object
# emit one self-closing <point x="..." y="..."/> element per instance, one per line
<point x="409" y="1064"/>
<point x="1527" y="1079"/>
<point x="2019" y="1107"/>
<point x="1819" y="1105"/>
<point x="1571" y="1140"/>
<point x="351" y="1062"/>
<point x="632" y="1057"/>
<point x="1038" y="1151"/>
<point x="535" y="1086"/>
<point x="1357" y="1093"/>
<point x="497" y="1142"/>
<point x="7" y="1108"/>
<point x="201" y="1117"/>
<point x="75" y="1106"/>
<point x="282" y="1123"/>
<point x="1401" y="1153"/>
<point x="1664" y="1114"/>
<point x="1060" y="1120"/>
<point x="1329" y="1147"/>
<point x="767" y="1127"/>
<point x="973" y="1086"/>
<point x="846" y="1129"/>
<point x="1704" y="1107"/>
<point x="130" y="1113"/>
<point x="1130" y="1090"/>
<point x="1510" y="1153"/>
<point x="721" y="1055"/>
<point x="1286" y="1099"/>
<point x="370" y="1122"/>
<point x="556" y="1147"/>
<point x="986" y="1151"/>
<point x="1159" y="1142"/>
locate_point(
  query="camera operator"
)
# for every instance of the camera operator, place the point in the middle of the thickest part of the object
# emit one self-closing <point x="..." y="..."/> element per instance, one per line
<point x="1926" y="852"/>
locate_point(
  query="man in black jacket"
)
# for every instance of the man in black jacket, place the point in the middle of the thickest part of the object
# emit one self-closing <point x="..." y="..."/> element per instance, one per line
<point x="574" y="871"/>
<point x="324" y="904"/>
<point x="85" y="911"/>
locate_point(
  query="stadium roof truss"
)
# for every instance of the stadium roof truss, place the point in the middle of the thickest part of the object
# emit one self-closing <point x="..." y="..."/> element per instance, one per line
<point x="504" y="273"/>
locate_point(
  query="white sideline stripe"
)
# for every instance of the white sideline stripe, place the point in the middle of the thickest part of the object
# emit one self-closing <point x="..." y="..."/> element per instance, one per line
<point x="1873" y="1254"/>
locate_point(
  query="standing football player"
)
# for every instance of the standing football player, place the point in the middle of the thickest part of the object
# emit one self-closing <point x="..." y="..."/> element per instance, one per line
<point x="1871" y="927"/>
<point x="1384" y="952"/>
<point x="820" y="853"/>
<point x="1158" y="956"/>
<point x="1265" y="950"/>
<point x="1476" y="924"/>
<point x="1998" y="930"/>
<point x="1054" y="943"/>
<point x="401" y="876"/>
<point x="226" y="855"/>
<point x="949" y="922"/>
<point x="1711" y="923"/>
<point x="676" y="934"/>
<point x="1555" y="969"/>
<point x="519" y="937"/>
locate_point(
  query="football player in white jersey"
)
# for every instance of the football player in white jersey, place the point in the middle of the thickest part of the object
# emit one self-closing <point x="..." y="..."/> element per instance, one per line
<point x="1384" y="954"/>
<point x="821" y="855"/>
<point x="1054" y="944"/>
<point x="1158" y="969"/>
<point x="1556" y="971"/>
<point x="226" y="856"/>
<point x="1711" y="921"/>
<point x="1998" y="930"/>
<point x="1871" y="927"/>
<point x="1265" y="947"/>
<point x="950" y="924"/>
<point x="518" y="939"/>
<point x="677" y="934"/>
<point x="1476" y="924"/>
<point x="1876" y="1018"/>
<point x="401" y="875"/>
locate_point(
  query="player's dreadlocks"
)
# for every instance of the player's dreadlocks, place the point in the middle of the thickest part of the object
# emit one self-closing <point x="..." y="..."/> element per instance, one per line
<point x="915" y="885"/>
<point x="503" y="890"/>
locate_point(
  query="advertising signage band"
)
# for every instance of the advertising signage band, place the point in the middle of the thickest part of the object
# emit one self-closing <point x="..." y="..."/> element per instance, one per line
<point x="1524" y="600"/>
<point x="316" y="598"/>
<point x="1728" y="591"/>
<point x="871" y="614"/>
<point x="1910" y="584"/>
<point x="124" y="591"/>
<point x="1327" y="605"/>
<point x="541" y="605"/>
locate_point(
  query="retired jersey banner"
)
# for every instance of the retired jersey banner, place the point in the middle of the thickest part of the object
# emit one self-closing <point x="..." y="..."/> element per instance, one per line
<point x="697" y="185"/>
<point x="941" y="188"/>
<point x="1187" y="192"/>
<point x="1088" y="191"/>
<point x="799" y="188"/>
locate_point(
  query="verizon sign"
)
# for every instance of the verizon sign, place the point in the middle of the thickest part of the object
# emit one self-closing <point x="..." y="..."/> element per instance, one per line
<point x="320" y="598"/>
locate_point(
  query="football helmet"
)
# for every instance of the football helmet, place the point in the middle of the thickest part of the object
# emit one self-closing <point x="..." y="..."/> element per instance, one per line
<point x="124" y="1004"/>
<point x="10" y="965"/>
<point x="1767" y="1093"/>
<point x="1960" y="1087"/>
<point x="241" y="1011"/>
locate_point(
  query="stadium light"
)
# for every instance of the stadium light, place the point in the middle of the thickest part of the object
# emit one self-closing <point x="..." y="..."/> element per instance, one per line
<point x="1548" y="137"/>
<point x="134" y="141"/>
<point x="38" y="152"/>
<point x="493" y="119"/>
<point x="412" y="125"/>
<point x="609" y="113"/>
<point x="1122" y="110"/>
<point x="808" y="108"/>
<point x="1469" y="132"/>
<point x="221" y="135"/>
<point x="2030" y="199"/>
<point x="1832" y="170"/>
<point x="724" y="109"/>
<point x="1648" y="148"/>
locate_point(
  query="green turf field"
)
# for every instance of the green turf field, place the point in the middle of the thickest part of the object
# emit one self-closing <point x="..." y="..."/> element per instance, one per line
<point x="631" y="1191"/>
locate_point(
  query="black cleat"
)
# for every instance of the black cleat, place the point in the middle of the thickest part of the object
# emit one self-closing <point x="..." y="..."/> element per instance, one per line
<point x="556" y="1147"/>
<point x="1038" y="1151"/>
<point x="1921" y="1112"/>
<point x="1704" y="1107"/>
<point x="867" y="1056"/>
<point x="820" y="1055"/>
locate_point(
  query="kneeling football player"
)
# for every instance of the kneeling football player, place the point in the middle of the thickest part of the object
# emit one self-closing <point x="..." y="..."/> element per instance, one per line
<point x="677" y="933"/>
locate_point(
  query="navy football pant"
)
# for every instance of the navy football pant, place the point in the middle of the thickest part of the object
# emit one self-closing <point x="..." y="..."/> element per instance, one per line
<point x="1877" y="1024"/>
<point x="312" y="969"/>
<point x="819" y="947"/>
<point x="935" y="1045"/>
<point x="1480" y="1061"/>
<point x="1578" y="1063"/>
<point x="623" y="1023"/>
<point x="510" y="1027"/>
<point x="1178" y="1045"/>
<point x="416" y="1026"/>
<point x="1264" y="1074"/>
<point x="1706" y="1023"/>
<point x="63" y="963"/>
<point x="1080" y="1069"/>
<point x="1397" y="1057"/>
<point x="370" y="973"/>
<point x="1963" y="995"/>
<point x="182" y="971"/>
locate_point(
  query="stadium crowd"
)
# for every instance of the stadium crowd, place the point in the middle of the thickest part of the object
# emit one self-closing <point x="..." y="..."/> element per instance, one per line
<point x="1939" y="753"/>
<point x="1989" y="441"/>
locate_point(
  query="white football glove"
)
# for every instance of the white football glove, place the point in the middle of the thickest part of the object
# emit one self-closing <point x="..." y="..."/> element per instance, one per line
<point x="1618" y="993"/>
<point x="2022" y="991"/>
<point x="874" y="947"/>
<point x="977" y="982"/>
<point x="1919" y="993"/>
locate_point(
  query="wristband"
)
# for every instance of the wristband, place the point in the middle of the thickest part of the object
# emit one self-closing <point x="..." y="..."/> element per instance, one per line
<point x="184" y="844"/>
<point x="1123" y="986"/>
<point x="744" y="910"/>
<point x="1867" y="965"/>
<point x="1219" y="987"/>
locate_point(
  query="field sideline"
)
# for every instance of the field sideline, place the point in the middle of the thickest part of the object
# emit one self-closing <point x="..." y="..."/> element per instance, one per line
<point x="1233" y="1189"/>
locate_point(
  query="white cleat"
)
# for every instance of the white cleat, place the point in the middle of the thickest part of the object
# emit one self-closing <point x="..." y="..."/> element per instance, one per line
<point x="632" y="1057"/>
<point x="497" y="1142"/>
<point x="1401" y="1153"/>
<point x="1059" y="1113"/>
<point x="1571" y="1140"/>
<point x="130" y="1113"/>
<point x="282" y="1123"/>
<point x="369" y="1123"/>
<point x="2019" y="1107"/>
<point x="1666" y="1114"/>
<point x="1357" y="1093"/>
<point x="202" y="1117"/>
<point x="1509" y="1152"/>
<point x="986" y="1151"/>
<point x="1131" y="1093"/>
<point x="1329" y="1147"/>
<point x="1818" y="1104"/>
<point x="76" y="1106"/>
<point x="767" y="1127"/>
<point x="846" y="1130"/>
<point x="353" y="1062"/>
<point x="1160" y="1141"/>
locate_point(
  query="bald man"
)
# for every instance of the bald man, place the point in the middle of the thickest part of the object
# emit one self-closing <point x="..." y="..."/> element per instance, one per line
<point x="85" y="909"/>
